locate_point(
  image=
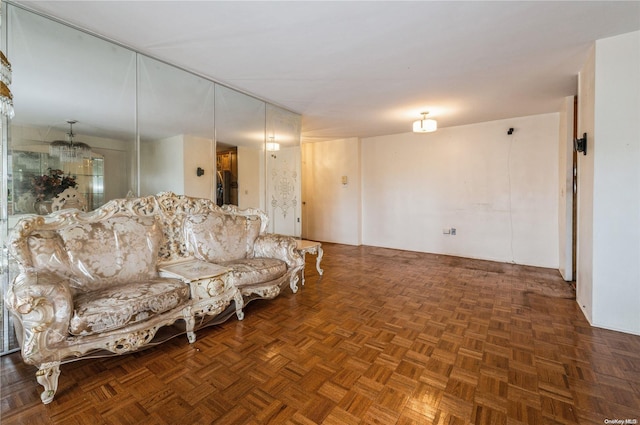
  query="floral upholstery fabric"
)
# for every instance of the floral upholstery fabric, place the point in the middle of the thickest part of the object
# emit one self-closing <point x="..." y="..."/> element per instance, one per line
<point x="47" y="253"/>
<point x="217" y="237"/>
<point x="114" y="308"/>
<point x="272" y="245"/>
<point x="111" y="252"/>
<point x="250" y="271"/>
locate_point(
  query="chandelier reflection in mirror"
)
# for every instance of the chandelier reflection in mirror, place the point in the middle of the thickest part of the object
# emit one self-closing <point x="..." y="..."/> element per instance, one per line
<point x="6" y="98"/>
<point x="70" y="151"/>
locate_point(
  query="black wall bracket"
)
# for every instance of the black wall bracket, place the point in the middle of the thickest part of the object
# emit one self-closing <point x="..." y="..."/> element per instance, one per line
<point x="199" y="172"/>
<point x="580" y="145"/>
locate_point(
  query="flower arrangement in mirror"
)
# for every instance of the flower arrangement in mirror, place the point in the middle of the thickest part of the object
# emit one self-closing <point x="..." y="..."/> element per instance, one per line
<point x="50" y="185"/>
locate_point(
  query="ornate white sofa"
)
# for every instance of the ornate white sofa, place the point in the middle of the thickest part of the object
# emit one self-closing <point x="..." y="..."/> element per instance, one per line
<point x="112" y="280"/>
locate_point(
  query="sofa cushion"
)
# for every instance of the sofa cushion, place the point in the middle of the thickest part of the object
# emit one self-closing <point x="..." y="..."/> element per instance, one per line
<point x="218" y="237"/>
<point x="251" y="271"/>
<point x="47" y="253"/>
<point x="113" y="308"/>
<point x="113" y="251"/>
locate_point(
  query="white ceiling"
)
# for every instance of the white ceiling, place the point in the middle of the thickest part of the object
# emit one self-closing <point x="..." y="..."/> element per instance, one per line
<point x="361" y="69"/>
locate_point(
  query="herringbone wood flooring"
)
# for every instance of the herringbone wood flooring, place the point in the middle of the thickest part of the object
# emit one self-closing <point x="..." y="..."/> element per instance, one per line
<point x="384" y="337"/>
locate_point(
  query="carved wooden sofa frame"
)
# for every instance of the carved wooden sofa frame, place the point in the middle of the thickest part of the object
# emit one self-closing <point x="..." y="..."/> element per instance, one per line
<point x="41" y="298"/>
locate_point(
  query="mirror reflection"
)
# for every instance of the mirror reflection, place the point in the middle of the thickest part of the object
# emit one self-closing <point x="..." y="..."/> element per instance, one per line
<point x="240" y="135"/>
<point x="122" y="123"/>
<point x="176" y="125"/>
<point x="283" y="171"/>
<point x="50" y="63"/>
<point x="138" y="115"/>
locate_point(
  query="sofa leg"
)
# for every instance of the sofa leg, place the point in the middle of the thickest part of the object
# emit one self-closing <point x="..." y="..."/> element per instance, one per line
<point x="47" y="376"/>
<point x="190" y="324"/>
<point x="239" y="301"/>
<point x="293" y="283"/>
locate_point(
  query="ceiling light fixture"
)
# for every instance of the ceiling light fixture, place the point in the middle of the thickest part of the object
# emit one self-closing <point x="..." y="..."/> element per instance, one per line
<point x="425" y="125"/>
<point x="70" y="151"/>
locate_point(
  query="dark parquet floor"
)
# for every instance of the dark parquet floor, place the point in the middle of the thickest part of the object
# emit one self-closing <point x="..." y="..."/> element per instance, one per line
<point x="384" y="337"/>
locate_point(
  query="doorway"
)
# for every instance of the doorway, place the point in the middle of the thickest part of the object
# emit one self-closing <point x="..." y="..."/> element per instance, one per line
<point x="227" y="175"/>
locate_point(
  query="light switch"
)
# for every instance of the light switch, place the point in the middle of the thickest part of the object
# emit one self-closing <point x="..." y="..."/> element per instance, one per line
<point x="344" y="180"/>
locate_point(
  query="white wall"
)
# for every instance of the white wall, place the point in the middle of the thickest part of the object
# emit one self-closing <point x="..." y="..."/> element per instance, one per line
<point x="611" y="172"/>
<point x="170" y="165"/>
<point x="584" y="251"/>
<point x="331" y="210"/>
<point x="198" y="152"/>
<point x="251" y="186"/>
<point x="117" y="179"/>
<point x="499" y="191"/>
<point x="162" y="166"/>
<point x="565" y="189"/>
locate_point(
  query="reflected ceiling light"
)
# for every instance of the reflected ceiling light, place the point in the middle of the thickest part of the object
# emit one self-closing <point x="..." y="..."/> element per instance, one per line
<point x="425" y="125"/>
<point x="70" y="151"/>
<point x="6" y="98"/>
<point x="272" y="146"/>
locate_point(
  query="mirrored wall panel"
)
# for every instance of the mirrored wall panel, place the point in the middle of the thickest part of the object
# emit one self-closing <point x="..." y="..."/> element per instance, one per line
<point x="101" y="121"/>
<point x="176" y="125"/>
<point x="74" y="125"/>
<point x="240" y="149"/>
<point x="74" y="128"/>
<point x="283" y="171"/>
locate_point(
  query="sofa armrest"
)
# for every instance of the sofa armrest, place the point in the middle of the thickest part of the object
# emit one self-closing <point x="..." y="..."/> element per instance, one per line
<point x="271" y="245"/>
<point x="42" y="305"/>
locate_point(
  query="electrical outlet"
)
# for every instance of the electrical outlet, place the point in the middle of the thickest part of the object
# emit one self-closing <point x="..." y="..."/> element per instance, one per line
<point x="446" y="231"/>
<point x="453" y="231"/>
